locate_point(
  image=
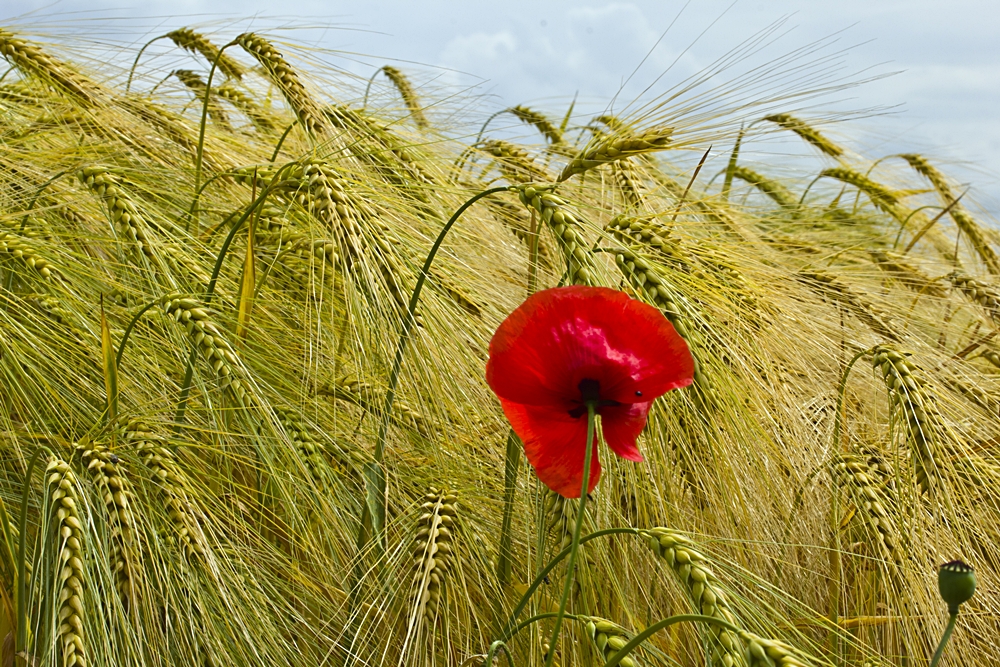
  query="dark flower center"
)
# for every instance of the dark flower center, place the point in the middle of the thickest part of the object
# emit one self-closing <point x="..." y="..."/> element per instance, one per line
<point x="590" y="393"/>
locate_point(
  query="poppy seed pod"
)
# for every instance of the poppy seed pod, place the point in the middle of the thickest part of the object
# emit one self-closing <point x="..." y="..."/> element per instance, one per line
<point x="957" y="584"/>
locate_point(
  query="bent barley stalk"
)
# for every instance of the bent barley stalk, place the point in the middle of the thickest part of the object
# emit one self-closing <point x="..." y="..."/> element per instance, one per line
<point x="409" y="95"/>
<point x="617" y="147"/>
<point x="196" y="85"/>
<point x="71" y="636"/>
<point x="189" y="40"/>
<point x="806" y="132"/>
<point x="286" y="79"/>
<point x="963" y="220"/>
<point x="516" y="165"/>
<point x="917" y="408"/>
<point x="541" y="123"/>
<point x="208" y="337"/>
<point x="609" y="638"/>
<point x="32" y="60"/>
<point x="781" y="195"/>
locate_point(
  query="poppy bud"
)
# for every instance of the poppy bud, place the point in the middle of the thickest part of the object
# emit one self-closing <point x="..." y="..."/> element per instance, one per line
<point x="957" y="584"/>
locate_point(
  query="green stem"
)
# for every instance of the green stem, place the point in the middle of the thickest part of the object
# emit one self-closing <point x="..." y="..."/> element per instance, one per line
<point x="204" y="120"/>
<point x="281" y="141"/>
<point x="667" y="622"/>
<point x="841" y="390"/>
<point x="574" y="547"/>
<point x="131" y="72"/>
<point x="731" y="167"/>
<point x="22" y="602"/>
<point x="944" y="638"/>
<point x="512" y="461"/>
<point x="375" y="476"/>
<point x="128" y="332"/>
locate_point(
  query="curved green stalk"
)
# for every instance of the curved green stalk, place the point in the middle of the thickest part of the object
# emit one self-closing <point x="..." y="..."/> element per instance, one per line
<point x="512" y="461"/>
<point x="284" y="135"/>
<point x="204" y="117"/>
<point x="128" y="332"/>
<point x="374" y="473"/>
<point x="952" y="618"/>
<point x="575" y="546"/>
<point x="135" y="63"/>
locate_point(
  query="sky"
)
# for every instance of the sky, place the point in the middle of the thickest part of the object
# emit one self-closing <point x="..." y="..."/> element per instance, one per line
<point x="934" y="66"/>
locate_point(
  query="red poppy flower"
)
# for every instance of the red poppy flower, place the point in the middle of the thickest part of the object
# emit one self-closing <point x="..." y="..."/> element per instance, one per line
<point x="566" y="346"/>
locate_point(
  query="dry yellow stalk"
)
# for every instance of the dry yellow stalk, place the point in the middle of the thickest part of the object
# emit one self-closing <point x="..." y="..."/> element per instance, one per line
<point x="189" y="40"/>
<point x="617" y="147"/>
<point x="807" y="132"/>
<point x="409" y="95"/>
<point x="70" y="634"/>
<point x="286" y="79"/>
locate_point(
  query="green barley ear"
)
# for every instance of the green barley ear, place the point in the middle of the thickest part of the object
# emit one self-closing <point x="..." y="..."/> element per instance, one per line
<point x="806" y="132"/>
<point x="71" y="636"/>
<point x="541" y="123"/>
<point x="432" y="552"/>
<point x="32" y="60"/>
<point x="617" y="147"/>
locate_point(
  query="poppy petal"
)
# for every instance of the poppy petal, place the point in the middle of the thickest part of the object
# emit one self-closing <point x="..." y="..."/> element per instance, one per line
<point x="621" y="425"/>
<point x="560" y="336"/>
<point x="554" y="443"/>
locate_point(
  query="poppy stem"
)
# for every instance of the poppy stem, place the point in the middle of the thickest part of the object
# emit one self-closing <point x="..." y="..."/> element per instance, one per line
<point x="944" y="639"/>
<point x="575" y="547"/>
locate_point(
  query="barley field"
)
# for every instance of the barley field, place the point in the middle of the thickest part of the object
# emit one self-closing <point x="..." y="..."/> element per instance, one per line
<point x="244" y="325"/>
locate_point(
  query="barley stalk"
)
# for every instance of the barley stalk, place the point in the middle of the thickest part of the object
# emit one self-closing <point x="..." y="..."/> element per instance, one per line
<point x="917" y="409"/>
<point x="71" y="636"/>
<point x="351" y="389"/>
<point x="853" y="473"/>
<point x="642" y="275"/>
<point x="836" y="290"/>
<point x="569" y="233"/>
<point x="515" y="163"/>
<point x="286" y="79"/>
<point x="212" y="342"/>
<point x="247" y="105"/>
<point x="182" y="509"/>
<point x="121" y="210"/>
<point x="541" y="123"/>
<point x="432" y="550"/>
<point x="911" y="277"/>
<point x="781" y="195"/>
<point x="608" y="637"/>
<point x="409" y="95"/>
<point x="985" y="296"/>
<point x="959" y="214"/>
<point x="196" y="85"/>
<point x="806" y="132"/>
<point x="693" y="572"/>
<point x="108" y="475"/>
<point x="189" y="40"/>
<point x="516" y="220"/>
<point x="32" y="60"/>
<point x="617" y="147"/>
